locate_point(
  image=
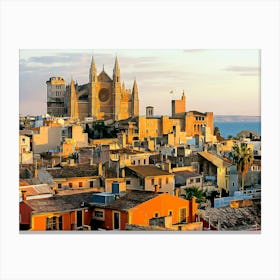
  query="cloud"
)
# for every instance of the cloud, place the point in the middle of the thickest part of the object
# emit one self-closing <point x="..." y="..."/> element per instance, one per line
<point x="243" y="70"/>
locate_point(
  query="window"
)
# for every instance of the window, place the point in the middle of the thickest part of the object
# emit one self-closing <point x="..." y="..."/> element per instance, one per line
<point x="160" y="182"/>
<point x="133" y="162"/>
<point x="182" y="215"/>
<point x="144" y="161"/>
<point x="191" y="181"/>
<point x="139" y="162"/>
<point x="156" y="214"/>
<point x="152" y="181"/>
<point x="71" y="185"/>
<point x="99" y="214"/>
<point x="197" y="180"/>
<point x="80" y="184"/>
<point x="128" y="182"/>
<point x="59" y="185"/>
<point x="170" y="213"/>
<point x="54" y="223"/>
<point x="91" y="184"/>
<point x="166" y="180"/>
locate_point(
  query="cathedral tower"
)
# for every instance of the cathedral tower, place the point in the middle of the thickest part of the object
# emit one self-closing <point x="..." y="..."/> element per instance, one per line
<point x="116" y="90"/>
<point x="92" y="97"/>
<point x="135" y="100"/>
<point x="74" y="112"/>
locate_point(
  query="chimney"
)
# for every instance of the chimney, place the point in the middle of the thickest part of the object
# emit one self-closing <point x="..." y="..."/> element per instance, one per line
<point x="169" y="166"/>
<point x="100" y="170"/>
<point x="23" y="195"/>
<point x="192" y="209"/>
<point x="156" y="188"/>
<point x="36" y="170"/>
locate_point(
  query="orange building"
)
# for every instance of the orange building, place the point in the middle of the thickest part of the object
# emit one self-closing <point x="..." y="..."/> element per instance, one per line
<point x="67" y="212"/>
<point x="140" y="207"/>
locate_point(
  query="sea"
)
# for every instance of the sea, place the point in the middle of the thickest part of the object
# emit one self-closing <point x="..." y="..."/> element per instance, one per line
<point x="233" y="128"/>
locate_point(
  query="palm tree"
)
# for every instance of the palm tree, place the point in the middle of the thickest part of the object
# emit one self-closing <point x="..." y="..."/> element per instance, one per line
<point x="216" y="130"/>
<point x="197" y="193"/>
<point x="243" y="157"/>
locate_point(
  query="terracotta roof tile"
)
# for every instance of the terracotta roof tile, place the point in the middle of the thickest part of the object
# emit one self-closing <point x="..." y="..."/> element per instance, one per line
<point x="60" y="203"/>
<point x="148" y="170"/>
<point x="80" y="170"/>
<point x="131" y="199"/>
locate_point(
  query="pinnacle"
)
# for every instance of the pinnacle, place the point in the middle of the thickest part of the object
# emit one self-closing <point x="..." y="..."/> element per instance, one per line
<point x="116" y="67"/>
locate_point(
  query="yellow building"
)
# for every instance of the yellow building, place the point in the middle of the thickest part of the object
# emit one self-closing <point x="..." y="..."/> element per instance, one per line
<point x="47" y="138"/>
<point x="150" y="178"/>
<point x="25" y="155"/>
<point x="212" y="165"/>
<point x="178" y="128"/>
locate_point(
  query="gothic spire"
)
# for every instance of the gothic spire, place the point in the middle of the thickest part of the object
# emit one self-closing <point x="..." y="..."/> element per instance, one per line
<point x="135" y="89"/>
<point x="135" y="100"/>
<point x="92" y="71"/>
<point x="74" y="114"/>
<point x="116" y="71"/>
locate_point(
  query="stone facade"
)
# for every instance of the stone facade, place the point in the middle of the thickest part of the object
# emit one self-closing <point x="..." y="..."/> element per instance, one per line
<point x="55" y="96"/>
<point x="103" y="98"/>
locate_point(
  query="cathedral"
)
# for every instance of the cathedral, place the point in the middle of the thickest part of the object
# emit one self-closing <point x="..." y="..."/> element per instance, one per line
<point x="103" y="98"/>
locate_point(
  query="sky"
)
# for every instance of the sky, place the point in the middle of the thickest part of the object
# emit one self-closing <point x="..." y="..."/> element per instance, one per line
<point x="225" y="82"/>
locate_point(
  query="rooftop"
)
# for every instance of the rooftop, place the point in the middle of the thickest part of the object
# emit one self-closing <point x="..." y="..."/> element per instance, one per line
<point x="80" y="170"/>
<point x="148" y="170"/>
<point x="126" y="151"/>
<point x="186" y="174"/>
<point x="234" y="218"/>
<point x="37" y="189"/>
<point x="59" y="203"/>
<point x="215" y="160"/>
<point x="196" y="113"/>
<point x="131" y="199"/>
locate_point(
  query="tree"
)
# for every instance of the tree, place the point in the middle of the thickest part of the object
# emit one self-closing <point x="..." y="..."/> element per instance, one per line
<point x="243" y="157"/>
<point x="197" y="193"/>
<point x="217" y="133"/>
